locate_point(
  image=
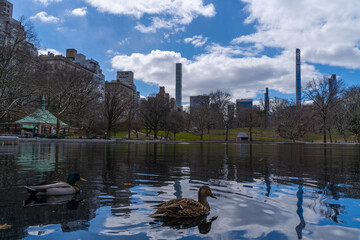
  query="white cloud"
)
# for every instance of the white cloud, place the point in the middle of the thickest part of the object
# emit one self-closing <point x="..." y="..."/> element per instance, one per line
<point x="163" y="14"/>
<point x="123" y="42"/>
<point x="219" y="68"/>
<point x="44" y="51"/>
<point x="45" y="17"/>
<point x="196" y="40"/>
<point x="326" y="31"/>
<point x="46" y="2"/>
<point x="79" y="11"/>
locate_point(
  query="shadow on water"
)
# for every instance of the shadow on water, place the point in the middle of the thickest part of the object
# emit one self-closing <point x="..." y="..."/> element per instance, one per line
<point x="258" y="187"/>
<point x="203" y="225"/>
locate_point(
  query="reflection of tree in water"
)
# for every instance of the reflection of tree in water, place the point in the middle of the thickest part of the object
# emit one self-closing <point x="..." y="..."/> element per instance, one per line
<point x="331" y="211"/>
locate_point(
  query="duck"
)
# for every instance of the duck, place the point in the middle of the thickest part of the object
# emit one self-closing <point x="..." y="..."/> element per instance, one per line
<point x="184" y="207"/>
<point x="56" y="187"/>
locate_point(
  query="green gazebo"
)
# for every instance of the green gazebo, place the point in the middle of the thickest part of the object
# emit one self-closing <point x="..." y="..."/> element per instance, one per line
<point x="41" y="121"/>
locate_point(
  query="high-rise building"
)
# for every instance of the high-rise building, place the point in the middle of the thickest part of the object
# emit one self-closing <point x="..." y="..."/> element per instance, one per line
<point x="231" y="110"/>
<point x="199" y="101"/>
<point x="11" y="30"/>
<point x="73" y="60"/>
<point x="163" y="94"/>
<point x="298" y="78"/>
<point x="126" y="77"/>
<point x="267" y="100"/>
<point x="243" y="103"/>
<point x="6" y="8"/>
<point x="332" y="83"/>
<point x="178" y="84"/>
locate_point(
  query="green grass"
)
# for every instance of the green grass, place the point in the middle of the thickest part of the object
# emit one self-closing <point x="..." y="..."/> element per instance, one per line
<point x="120" y="134"/>
<point x="259" y="134"/>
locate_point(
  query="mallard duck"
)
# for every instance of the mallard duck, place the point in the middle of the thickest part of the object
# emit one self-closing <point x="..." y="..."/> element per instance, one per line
<point x="184" y="207"/>
<point x="57" y="187"/>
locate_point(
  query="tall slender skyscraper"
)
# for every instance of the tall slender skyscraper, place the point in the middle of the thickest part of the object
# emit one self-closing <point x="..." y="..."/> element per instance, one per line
<point x="298" y="77"/>
<point x="267" y="101"/>
<point x="178" y="80"/>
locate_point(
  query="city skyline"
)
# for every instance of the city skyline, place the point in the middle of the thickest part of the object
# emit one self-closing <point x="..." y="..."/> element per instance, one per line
<point x="255" y="51"/>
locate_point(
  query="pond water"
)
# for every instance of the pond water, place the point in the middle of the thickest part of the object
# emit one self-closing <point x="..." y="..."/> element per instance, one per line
<point x="264" y="191"/>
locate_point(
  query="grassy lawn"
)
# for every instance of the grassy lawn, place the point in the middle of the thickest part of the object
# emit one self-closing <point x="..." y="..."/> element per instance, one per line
<point x="259" y="134"/>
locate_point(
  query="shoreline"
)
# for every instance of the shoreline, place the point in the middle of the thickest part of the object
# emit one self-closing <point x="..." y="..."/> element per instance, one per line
<point x="6" y="140"/>
<point x="78" y="140"/>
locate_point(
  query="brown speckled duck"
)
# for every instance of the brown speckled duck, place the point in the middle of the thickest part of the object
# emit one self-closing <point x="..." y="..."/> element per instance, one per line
<point x="56" y="188"/>
<point x="184" y="207"/>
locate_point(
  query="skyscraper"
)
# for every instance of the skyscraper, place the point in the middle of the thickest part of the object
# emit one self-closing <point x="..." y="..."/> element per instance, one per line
<point x="243" y="103"/>
<point x="332" y="83"/>
<point x="6" y="8"/>
<point x="178" y="84"/>
<point x="298" y="78"/>
<point x="199" y="101"/>
<point x="267" y="101"/>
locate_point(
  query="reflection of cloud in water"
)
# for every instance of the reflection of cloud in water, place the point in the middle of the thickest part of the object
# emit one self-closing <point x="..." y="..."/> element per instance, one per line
<point x="41" y="230"/>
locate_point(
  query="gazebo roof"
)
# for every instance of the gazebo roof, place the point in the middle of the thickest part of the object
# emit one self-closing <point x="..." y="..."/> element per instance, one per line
<point x="40" y="116"/>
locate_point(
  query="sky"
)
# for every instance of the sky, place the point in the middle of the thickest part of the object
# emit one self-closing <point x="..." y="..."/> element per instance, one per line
<point x="237" y="46"/>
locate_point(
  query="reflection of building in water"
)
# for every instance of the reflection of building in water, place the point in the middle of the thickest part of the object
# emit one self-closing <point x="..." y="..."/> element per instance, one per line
<point x="242" y="150"/>
<point x="38" y="157"/>
<point x="177" y="187"/>
<point x="300" y="212"/>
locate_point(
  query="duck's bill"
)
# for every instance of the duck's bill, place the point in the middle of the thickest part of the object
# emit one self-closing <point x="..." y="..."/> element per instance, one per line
<point x="82" y="179"/>
<point x="211" y="195"/>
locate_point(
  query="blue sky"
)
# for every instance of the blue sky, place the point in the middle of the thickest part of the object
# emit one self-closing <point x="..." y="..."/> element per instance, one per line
<point x="238" y="46"/>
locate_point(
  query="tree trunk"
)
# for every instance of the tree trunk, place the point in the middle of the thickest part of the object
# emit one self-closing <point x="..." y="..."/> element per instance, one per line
<point x="250" y="131"/>
<point x="155" y="132"/>
<point x="201" y="136"/>
<point x="108" y="130"/>
<point x="330" y="136"/>
<point x="227" y="134"/>
<point x="324" y="129"/>
<point x="174" y="136"/>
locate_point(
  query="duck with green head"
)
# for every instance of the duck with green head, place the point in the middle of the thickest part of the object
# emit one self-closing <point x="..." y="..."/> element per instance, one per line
<point x="56" y="187"/>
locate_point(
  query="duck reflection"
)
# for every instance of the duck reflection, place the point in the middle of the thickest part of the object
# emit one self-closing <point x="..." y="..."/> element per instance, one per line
<point x="72" y="201"/>
<point x="201" y="222"/>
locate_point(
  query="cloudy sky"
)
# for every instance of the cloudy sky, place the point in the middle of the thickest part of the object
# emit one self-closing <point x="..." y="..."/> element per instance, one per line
<point x="238" y="46"/>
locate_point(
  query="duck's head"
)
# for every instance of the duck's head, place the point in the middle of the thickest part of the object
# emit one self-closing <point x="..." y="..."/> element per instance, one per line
<point x="205" y="192"/>
<point x="73" y="178"/>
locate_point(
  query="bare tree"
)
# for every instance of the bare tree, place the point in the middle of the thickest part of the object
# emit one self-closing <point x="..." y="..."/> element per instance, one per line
<point x="117" y="105"/>
<point x="352" y="107"/>
<point x="154" y="113"/>
<point x="200" y="117"/>
<point x="250" y="118"/>
<point x="87" y="112"/>
<point x="292" y="121"/>
<point x="175" y="122"/>
<point x="219" y="102"/>
<point x="325" y="95"/>
<point x="18" y="65"/>
<point x="68" y="90"/>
